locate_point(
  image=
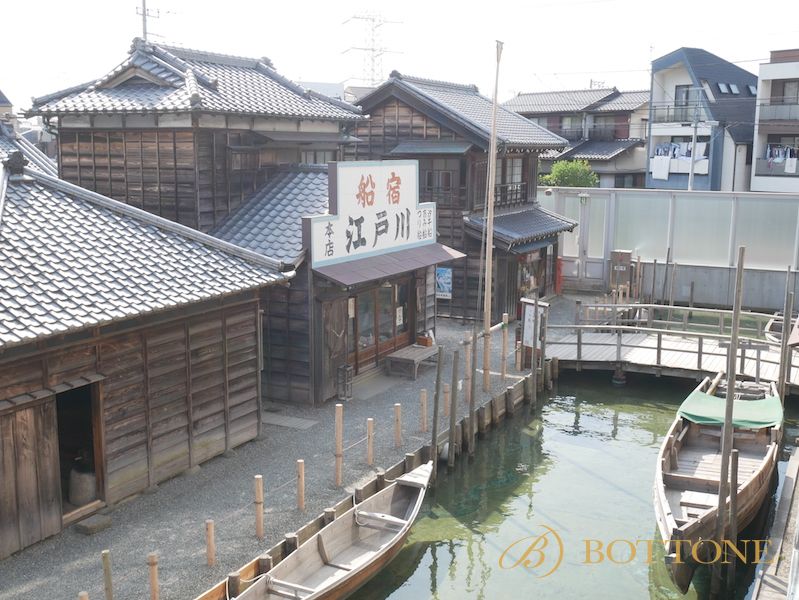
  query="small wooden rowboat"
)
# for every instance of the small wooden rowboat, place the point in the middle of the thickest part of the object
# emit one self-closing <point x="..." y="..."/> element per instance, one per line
<point x="352" y="549"/>
<point x="689" y="464"/>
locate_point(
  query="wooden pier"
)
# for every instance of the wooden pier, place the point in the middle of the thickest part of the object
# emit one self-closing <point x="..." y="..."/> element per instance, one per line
<point x="628" y="338"/>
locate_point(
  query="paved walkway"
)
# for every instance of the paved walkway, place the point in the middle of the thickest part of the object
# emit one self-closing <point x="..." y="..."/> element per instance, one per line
<point x="171" y="521"/>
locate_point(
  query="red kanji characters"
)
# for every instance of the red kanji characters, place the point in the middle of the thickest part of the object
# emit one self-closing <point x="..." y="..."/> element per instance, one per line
<point x="393" y="187"/>
<point x="366" y="191"/>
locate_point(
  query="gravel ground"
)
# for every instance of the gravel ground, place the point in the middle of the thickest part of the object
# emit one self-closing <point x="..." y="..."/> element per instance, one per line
<point x="171" y="520"/>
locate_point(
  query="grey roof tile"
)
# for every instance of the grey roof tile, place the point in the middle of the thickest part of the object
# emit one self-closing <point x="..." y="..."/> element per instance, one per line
<point x="465" y="104"/>
<point x="557" y="102"/>
<point x="71" y="259"/>
<point x="191" y="80"/>
<point x="270" y="222"/>
<point x="599" y="149"/>
<point x="521" y="226"/>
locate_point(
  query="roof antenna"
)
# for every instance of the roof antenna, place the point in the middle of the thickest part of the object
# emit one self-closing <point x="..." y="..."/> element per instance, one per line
<point x="144" y="15"/>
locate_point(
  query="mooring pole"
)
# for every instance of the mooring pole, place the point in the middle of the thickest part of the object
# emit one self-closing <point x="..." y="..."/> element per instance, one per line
<point x="534" y="360"/>
<point x="453" y="411"/>
<point x="786" y="327"/>
<point x="726" y="440"/>
<point x="733" y="537"/>
<point x="473" y="393"/>
<point x="436" y="397"/>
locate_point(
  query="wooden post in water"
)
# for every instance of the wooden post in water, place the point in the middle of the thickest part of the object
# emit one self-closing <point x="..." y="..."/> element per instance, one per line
<point x="233" y="584"/>
<point x="259" y="506"/>
<point x="423" y="411"/>
<point x="339" y="452"/>
<point x="733" y="537"/>
<point x="472" y="393"/>
<point x="152" y="563"/>
<point x="83" y="595"/>
<point x="300" y="484"/>
<point x="785" y="356"/>
<point x="397" y="425"/>
<point x="446" y="399"/>
<point x="453" y="412"/>
<point x="370" y="439"/>
<point x="467" y="372"/>
<point x="107" y="583"/>
<point x="671" y="291"/>
<point x="726" y="441"/>
<point x="534" y="360"/>
<point x="665" y="276"/>
<point x="518" y="356"/>
<point x="691" y="301"/>
<point x="210" y="543"/>
<point x="436" y="400"/>
<point x="503" y="361"/>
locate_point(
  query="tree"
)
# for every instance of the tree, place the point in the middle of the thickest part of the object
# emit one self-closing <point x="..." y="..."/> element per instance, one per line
<point x="571" y="173"/>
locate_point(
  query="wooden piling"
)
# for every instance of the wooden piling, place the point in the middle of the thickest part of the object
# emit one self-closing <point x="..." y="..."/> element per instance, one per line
<point x="329" y="515"/>
<point x="83" y="595"/>
<point x="509" y="406"/>
<point x="370" y="441"/>
<point x="548" y="374"/>
<point x="291" y="541"/>
<point x="233" y="585"/>
<point x="467" y="372"/>
<point x="410" y="458"/>
<point x="453" y="412"/>
<point x="108" y="584"/>
<point x="436" y="400"/>
<point x="446" y="399"/>
<point x="503" y="363"/>
<point x="339" y="474"/>
<point x="152" y="562"/>
<point x="265" y="563"/>
<point x="472" y="393"/>
<point x="300" y="484"/>
<point x="423" y="411"/>
<point x="210" y="543"/>
<point x="518" y="356"/>
<point x="665" y="276"/>
<point x="397" y="425"/>
<point x="555" y="361"/>
<point x="733" y="535"/>
<point x="652" y="299"/>
<point x="534" y="360"/>
<point x="259" y="507"/>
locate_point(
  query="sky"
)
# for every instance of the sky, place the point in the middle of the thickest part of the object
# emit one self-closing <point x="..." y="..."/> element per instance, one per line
<point x="548" y="44"/>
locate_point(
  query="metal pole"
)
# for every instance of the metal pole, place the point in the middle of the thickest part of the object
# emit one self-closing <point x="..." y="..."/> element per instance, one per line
<point x="726" y="440"/>
<point x="489" y="255"/>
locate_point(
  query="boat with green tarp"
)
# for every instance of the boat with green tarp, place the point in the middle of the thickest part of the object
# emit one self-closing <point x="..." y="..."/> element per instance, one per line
<point x="687" y="473"/>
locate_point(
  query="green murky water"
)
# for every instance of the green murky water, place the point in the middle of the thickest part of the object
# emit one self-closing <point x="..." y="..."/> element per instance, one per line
<point x="581" y="468"/>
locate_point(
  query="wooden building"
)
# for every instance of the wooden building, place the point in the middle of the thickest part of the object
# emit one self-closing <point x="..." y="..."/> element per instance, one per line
<point x="446" y="127"/>
<point x="187" y="134"/>
<point x="365" y="284"/>
<point x="129" y="348"/>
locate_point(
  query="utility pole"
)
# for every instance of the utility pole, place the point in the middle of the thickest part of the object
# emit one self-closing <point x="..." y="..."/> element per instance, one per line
<point x="693" y="148"/>
<point x="492" y="174"/>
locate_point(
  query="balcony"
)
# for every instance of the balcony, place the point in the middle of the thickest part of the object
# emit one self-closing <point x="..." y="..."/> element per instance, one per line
<point x="444" y="196"/>
<point x="505" y="195"/>
<point x="678" y="114"/>
<point x="779" y="111"/>
<point x="570" y="133"/>
<point x="765" y="167"/>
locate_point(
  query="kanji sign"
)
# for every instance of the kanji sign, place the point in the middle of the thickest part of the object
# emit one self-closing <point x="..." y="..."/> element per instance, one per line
<point x="374" y="209"/>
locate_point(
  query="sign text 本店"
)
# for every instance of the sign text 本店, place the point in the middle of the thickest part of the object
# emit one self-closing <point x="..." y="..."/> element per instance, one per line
<point x="374" y="209"/>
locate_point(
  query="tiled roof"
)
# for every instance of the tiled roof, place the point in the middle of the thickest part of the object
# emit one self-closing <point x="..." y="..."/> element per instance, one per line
<point x="466" y="106"/>
<point x="413" y="147"/>
<point x="558" y="102"/>
<point x="157" y="78"/>
<point x="735" y="112"/>
<point x="72" y="259"/>
<point x="271" y="221"/>
<point x="12" y="142"/>
<point x="521" y="226"/>
<point x="4" y="101"/>
<point x="599" y="150"/>
<point x="624" y="102"/>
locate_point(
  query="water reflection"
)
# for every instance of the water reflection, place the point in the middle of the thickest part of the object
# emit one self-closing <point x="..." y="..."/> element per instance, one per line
<point x="583" y="465"/>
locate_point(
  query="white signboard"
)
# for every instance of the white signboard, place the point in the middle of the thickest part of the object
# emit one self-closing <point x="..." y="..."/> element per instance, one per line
<point x="374" y="209"/>
<point x="527" y="328"/>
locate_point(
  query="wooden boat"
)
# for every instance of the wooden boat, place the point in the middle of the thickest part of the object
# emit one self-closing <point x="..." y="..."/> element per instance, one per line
<point x="689" y="463"/>
<point x="352" y="549"/>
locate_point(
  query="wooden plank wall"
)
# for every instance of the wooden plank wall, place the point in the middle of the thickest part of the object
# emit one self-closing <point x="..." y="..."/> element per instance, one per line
<point x="173" y="396"/>
<point x="288" y="344"/>
<point x="180" y="174"/>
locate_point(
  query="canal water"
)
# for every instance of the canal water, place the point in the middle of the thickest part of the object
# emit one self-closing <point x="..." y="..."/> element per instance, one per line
<point x="548" y="491"/>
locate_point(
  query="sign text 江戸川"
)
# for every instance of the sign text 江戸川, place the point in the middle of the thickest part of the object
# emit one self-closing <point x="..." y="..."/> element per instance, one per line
<point x="375" y="210"/>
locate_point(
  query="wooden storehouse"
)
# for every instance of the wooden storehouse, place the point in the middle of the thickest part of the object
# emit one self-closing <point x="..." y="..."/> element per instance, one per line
<point x="446" y="127"/>
<point x="129" y="348"/>
<point x="187" y="134"/>
<point x="365" y="284"/>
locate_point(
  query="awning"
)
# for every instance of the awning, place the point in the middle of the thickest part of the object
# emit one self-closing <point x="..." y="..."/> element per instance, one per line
<point x="431" y="147"/>
<point x="704" y="409"/>
<point x="373" y="268"/>
<point x="531" y="246"/>
<point x="20" y="401"/>
<point x="521" y="227"/>
<point x="309" y="137"/>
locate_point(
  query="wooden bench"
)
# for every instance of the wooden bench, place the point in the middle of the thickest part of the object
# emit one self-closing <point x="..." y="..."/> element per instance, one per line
<point x="406" y="361"/>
